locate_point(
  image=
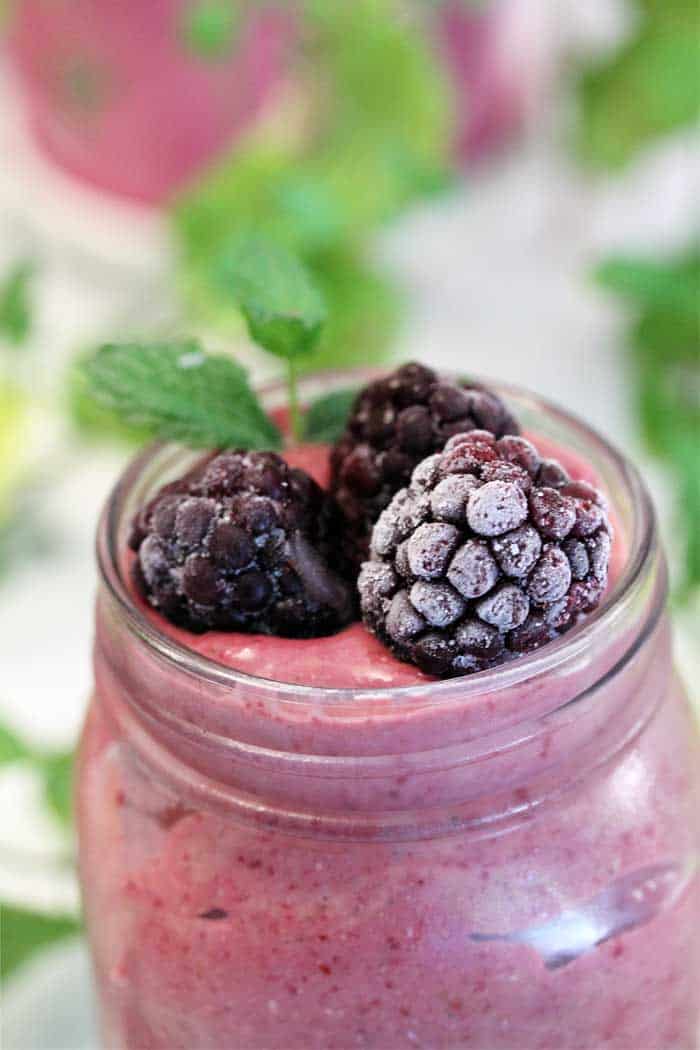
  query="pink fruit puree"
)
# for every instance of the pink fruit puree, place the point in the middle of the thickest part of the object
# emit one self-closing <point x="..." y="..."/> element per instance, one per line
<point x="465" y="864"/>
<point x="353" y="658"/>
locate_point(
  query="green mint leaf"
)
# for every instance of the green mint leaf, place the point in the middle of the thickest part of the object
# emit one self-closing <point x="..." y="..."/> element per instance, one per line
<point x="282" y="306"/>
<point x="209" y="28"/>
<point x="326" y="418"/>
<point x="92" y="421"/>
<point x="12" y="749"/>
<point x="25" y="932"/>
<point x="181" y="393"/>
<point x="15" y="304"/>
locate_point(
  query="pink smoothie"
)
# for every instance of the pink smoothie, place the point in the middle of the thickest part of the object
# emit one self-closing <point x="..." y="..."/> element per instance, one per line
<point x="467" y="864"/>
<point x="351" y="659"/>
<point x="116" y="96"/>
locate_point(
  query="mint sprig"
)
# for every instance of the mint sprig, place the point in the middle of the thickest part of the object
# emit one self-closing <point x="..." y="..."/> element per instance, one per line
<point x="283" y="307"/>
<point x="180" y="393"/>
<point x="281" y="304"/>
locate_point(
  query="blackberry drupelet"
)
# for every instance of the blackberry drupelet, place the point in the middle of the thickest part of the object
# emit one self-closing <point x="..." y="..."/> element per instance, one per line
<point x="489" y="553"/>
<point x="243" y="542"/>
<point x="397" y="421"/>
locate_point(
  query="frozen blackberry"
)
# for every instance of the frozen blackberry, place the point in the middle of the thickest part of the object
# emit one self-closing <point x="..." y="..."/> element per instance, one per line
<point x="490" y="552"/>
<point x="243" y="542"/>
<point x="396" y="422"/>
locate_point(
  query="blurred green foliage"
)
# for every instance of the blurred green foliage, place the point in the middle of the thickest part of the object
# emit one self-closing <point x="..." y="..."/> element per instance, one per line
<point x="649" y="87"/>
<point x="24" y="532"/>
<point x="282" y="305"/>
<point x="54" y="768"/>
<point x="16" y="411"/>
<point x="14" y="415"/>
<point x="15" y="304"/>
<point x="377" y="140"/>
<point x="325" y="421"/>
<point x="25" y="932"/>
<point x="664" y="348"/>
<point x="210" y="28"/>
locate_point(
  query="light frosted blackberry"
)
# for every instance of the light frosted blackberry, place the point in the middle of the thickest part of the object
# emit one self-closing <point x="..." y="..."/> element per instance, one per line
<point x="243" y="542"/>
<point x="395" y="423"/>
<point x="490" y="552"/>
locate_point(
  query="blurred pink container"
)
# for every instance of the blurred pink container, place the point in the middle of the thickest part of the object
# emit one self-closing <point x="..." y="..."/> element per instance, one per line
<point x="118" y="96"/>
<point x="500" y="56"/>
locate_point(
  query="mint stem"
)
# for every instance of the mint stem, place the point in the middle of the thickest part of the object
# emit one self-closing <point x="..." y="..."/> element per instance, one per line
<point x="294" y="410"/>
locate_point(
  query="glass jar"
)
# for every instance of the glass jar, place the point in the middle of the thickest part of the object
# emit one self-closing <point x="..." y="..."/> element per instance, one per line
<point x="503" y="860"/>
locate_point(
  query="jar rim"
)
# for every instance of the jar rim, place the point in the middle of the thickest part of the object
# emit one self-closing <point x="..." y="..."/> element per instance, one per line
<point x="567" y="648"/>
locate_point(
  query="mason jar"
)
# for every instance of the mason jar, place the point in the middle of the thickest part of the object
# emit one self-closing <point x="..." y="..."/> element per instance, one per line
<point x="498" y="861"/>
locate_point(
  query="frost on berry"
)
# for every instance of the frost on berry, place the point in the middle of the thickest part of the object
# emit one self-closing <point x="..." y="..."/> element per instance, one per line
<point x="403" y="621"/>
<point x="473" y="570"/>
<point x="473" y="438"/>
<point x="429" y="549"/>
<point x="386" y="531"/>
<point x="484" y="563"/>
<point x="521" y="452"/>
<point x="478" y="638"/>
<point x="505" y="608"/>
<point x="553" y="514"/>
<point x="552" y="475"/>
<point x="377" y="581"/>
<point x="497" y="470"/>
<point x="598" y="548"/>
<point x="449" y="498"/>
<point x="517" y="552"/>
<point x="577" y="554"/>
<point x="398" y="424"/>
<point x="437" y="602"/>
<point x="243" y="542"/>
<point x="426" y="473"/>
<point x="496" y="507"/>
<point x="551" y="577"/>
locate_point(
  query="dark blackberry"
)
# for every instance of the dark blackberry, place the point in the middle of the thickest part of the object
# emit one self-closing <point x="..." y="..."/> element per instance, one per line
<point x="396" y="422"/>
<point x="480" y="559"/>
<point x="243" y="542"/>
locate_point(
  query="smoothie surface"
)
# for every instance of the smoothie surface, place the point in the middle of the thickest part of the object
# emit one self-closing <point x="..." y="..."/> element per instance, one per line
<point x="353" y="658"/>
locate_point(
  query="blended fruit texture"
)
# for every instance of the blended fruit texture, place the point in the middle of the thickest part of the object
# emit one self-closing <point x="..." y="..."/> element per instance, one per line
<point x="352" y="658"/>
<point x="216" y="923"/>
